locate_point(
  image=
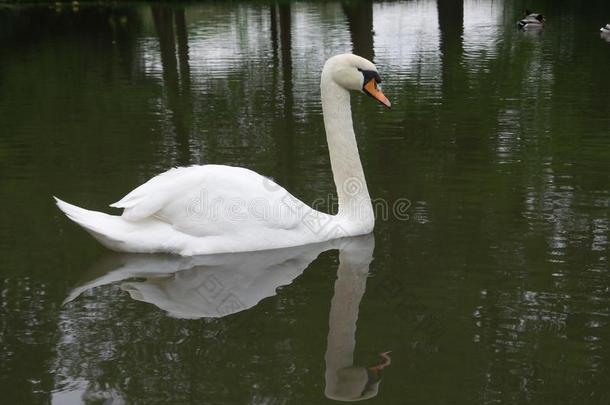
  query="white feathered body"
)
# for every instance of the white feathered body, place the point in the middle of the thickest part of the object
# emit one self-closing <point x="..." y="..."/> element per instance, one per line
<point x="209" y="209"/>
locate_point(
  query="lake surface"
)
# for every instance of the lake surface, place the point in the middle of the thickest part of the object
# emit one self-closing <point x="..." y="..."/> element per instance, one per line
<point x="487" y="276"/>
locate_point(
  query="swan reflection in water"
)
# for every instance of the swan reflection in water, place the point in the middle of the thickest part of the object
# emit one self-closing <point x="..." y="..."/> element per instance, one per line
<point x="344" y="380"/>
<point x="218" y="285"/>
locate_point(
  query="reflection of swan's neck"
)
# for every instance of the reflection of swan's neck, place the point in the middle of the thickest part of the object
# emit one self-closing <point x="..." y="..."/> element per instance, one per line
<point x="344" y="380"/>
<point x="349" y="289"/>
<point x="354" y="200"/>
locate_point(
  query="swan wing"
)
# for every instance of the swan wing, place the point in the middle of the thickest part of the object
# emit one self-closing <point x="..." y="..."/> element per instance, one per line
<point x="145" y="200"/>
<point x="213" y="200"/>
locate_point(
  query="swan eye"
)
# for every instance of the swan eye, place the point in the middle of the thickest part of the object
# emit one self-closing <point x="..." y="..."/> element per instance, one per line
<point x="368" y="76"/>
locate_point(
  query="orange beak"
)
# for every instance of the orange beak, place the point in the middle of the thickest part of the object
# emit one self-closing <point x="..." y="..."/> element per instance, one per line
<point x="373" y="90"/>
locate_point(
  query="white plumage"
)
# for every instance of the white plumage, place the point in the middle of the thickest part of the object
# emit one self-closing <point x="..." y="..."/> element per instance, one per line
<point x="201" y="210"/>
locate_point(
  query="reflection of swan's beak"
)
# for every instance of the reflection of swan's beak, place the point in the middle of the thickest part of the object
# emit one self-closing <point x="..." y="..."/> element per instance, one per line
<point x="386" y="361"/>
<point x="374" y="90"/>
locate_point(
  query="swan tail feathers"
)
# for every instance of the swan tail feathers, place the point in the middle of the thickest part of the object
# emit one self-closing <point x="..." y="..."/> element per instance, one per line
<point x="98" y="224"/>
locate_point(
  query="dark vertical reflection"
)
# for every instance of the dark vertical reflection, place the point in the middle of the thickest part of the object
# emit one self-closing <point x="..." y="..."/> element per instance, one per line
<point x="451" y="24"/>
<point x="274" y="39"/>
<point x="360" y="21"/>
<point x="178" y="102"/>
<point x="454" y="79"/>
<point x="275" y="50"/>
<point x="183" y="50"/>
<point x="286" y="136"/>
<point x="460" y="126"/>
<point x="162" y="17"/>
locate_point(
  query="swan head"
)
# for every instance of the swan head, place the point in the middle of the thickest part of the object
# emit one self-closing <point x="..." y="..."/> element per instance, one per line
<point x="353" y="72"/>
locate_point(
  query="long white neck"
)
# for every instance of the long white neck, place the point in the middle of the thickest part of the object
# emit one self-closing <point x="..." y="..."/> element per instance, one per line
<point x="354" y="201"/>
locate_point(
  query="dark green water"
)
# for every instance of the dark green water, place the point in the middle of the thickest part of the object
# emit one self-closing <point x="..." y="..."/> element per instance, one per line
<point x="494" y="288"/>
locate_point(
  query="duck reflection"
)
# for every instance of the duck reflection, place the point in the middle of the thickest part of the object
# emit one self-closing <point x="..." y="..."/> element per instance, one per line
<point x="214" y="286"/>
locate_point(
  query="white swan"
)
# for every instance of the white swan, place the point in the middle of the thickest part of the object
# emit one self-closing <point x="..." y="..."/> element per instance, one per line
<point x="216" y="209"/>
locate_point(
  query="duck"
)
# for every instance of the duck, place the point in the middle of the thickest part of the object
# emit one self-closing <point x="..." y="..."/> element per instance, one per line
<point x="208" y="209"/>
<point x="531" y="20"/>
<point x="605" y="29"/>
